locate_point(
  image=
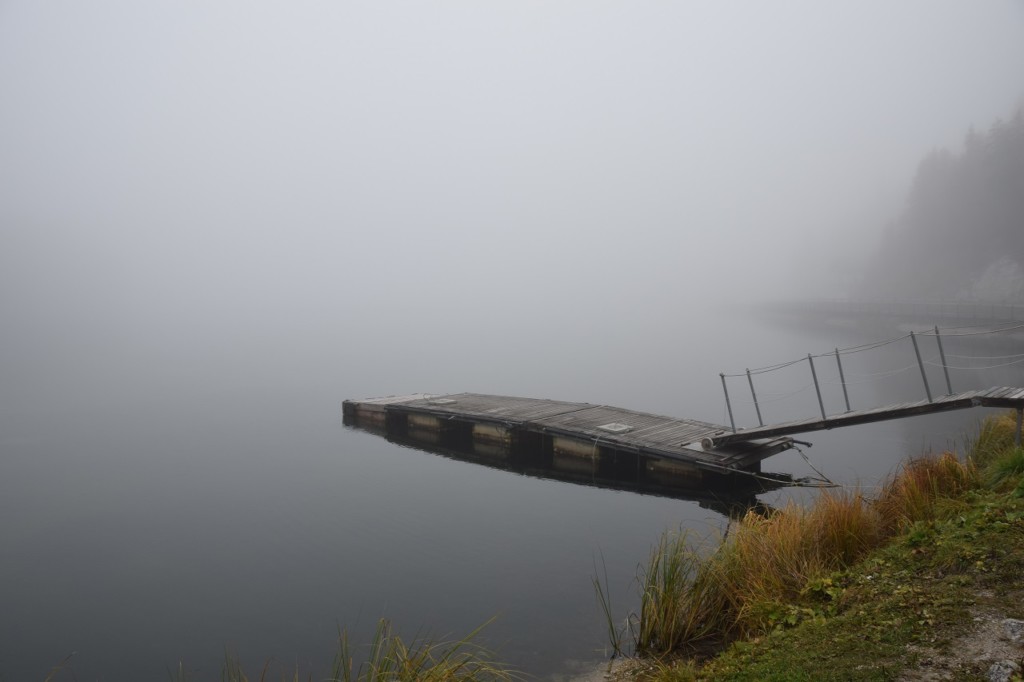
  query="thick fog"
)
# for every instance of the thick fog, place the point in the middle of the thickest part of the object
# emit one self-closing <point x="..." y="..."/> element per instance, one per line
<point x="283" y="177"/>
<point x="220" y="219"/>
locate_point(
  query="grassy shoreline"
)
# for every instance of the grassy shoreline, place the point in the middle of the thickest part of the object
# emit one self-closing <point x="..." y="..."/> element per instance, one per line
<point x="850" y="587"/>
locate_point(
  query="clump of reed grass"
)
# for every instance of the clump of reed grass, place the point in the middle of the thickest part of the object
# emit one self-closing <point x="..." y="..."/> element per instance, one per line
<point x="996" y="452"/>
<point x="680" y="602"/>
<point x="995" y="437"/>
<point x="923" y="488"/>
<point x="391" y="659"/>
<point x="845" y="526"/>
<point x="1005" y="469"/>
<point x="687" y="598"/>
<point x="765" y="560"/>
<point x="769" y="560"/>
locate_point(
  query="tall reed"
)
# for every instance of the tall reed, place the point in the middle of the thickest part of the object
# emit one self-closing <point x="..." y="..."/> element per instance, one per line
<point x="604" y="600"/>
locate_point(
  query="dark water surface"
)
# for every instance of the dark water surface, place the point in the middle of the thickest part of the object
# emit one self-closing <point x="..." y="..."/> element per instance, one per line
<point x="166" y="502"/>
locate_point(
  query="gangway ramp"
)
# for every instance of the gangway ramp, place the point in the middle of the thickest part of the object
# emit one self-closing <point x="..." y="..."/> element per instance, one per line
<point x="999" y="396"/>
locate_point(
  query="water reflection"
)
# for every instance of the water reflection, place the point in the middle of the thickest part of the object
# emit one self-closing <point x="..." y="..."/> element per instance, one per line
<point x="730" y="496"/>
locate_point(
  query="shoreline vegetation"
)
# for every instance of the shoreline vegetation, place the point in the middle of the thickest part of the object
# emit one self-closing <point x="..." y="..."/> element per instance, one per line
<point x="851" y="587"/>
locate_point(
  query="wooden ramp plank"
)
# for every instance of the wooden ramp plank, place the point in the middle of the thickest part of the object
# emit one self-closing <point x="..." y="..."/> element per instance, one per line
<point x="1010" y="397"/>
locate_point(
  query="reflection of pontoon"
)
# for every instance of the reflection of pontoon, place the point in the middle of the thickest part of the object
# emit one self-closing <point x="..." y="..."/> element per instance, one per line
<point x="576" y="442"/>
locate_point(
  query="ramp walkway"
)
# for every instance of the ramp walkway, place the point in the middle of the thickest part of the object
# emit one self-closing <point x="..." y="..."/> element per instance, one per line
<point x="1000" y="396"/>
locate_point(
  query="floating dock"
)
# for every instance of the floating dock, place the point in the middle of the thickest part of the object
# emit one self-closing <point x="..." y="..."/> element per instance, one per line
<point x="610" y="440"/>
<point x="568" y="432"/>
<point x="734" y="496"/>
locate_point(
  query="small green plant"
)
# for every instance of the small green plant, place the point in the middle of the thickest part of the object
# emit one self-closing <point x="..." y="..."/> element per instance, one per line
<point x="828" y="591"/>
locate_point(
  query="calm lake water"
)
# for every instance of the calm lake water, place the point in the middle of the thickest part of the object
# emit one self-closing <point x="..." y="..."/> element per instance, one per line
<point x="168" y="496"/>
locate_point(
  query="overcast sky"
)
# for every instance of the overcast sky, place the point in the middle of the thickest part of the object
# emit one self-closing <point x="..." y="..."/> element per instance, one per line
<point x="209" y="161"/>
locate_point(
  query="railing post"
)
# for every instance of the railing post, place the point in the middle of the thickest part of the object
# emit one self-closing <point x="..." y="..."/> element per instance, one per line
<point x="728" y="405"/>
<point x="842" y="380"/>
<point x="942" y="356"/>
<point x="757" y="408"/>
<point x="1020" y="417"/>
<point x="817" y="389"/>
<point x="924" y="377"/>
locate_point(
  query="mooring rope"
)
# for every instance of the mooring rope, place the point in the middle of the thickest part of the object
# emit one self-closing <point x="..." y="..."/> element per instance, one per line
<point x="821" y="477"/>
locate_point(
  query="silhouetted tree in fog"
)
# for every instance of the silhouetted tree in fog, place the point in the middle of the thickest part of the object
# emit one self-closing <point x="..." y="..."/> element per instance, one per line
<point x="961" y="234"/>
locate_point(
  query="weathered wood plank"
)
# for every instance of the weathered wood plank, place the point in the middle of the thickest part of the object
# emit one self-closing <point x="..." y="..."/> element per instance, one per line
<point x="490" y="408"/>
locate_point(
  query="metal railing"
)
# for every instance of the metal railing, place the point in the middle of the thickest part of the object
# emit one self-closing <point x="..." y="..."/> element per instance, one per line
<point x="839" y="353"/>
